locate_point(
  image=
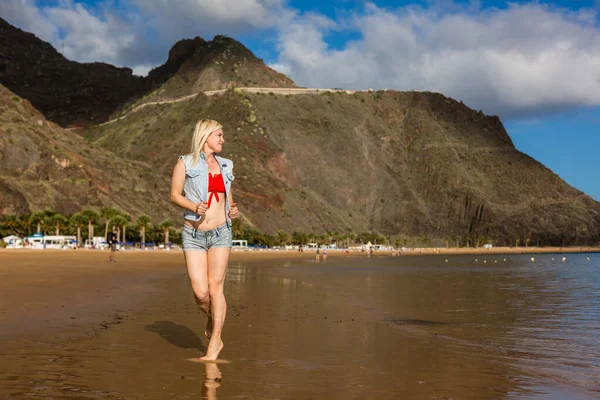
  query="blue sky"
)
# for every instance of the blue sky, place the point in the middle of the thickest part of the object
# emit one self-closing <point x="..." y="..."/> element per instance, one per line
<point x="536" y="64"/>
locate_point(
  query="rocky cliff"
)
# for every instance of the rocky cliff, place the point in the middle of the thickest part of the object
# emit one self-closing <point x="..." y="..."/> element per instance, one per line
<point x="67" y="92"/>
<point x="393" y="162"/>
<point x="44" y="167"/>
<point x="196" y="65"/>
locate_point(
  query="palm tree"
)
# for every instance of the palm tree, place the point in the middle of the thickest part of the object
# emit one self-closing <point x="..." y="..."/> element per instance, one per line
<point x="127" y="219"/>
<point x="107" y="213"/>
<point x="447" y="241"/>
<point x="332" y="237"/>
<point x="26" y="224"/>
<point x="79" y="221"/>
<point x="351" y="236"/>
<point x="237" y="229"/>
<point x="92" y="217"/>
<point x="323" y="240"/>
<point x="165" y="226"/>
<point x="9" y="224"/>
<point x="59" y="221"/>
<point x="40" y="219"/>
<point x="143" y="222"/>
<point x="118" y="221"/>
<point x="480" y="240"/>
<point x="299" y="237"/>
<point x="283" y="237"/>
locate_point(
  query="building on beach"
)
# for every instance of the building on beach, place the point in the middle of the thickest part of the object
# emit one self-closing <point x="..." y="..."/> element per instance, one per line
<point x="40" y="241"/>
<point x="13" y="242"/>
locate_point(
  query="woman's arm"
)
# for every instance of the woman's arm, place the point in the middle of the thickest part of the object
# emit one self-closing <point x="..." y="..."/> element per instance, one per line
<point x="177" y="182"/>
<point x="233" y="210"/>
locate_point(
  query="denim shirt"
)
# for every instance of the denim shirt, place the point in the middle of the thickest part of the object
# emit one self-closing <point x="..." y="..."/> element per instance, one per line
<point x="195" y="187"/>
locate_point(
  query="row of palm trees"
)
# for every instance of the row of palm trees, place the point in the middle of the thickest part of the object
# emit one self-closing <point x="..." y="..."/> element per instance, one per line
<point x="341" y="239"/>
<point x="349" y="238"/>
<point x="50" y="222"/>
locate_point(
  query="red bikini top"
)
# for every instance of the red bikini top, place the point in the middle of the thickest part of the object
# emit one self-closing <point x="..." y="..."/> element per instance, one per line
<point x="216" y="185"/>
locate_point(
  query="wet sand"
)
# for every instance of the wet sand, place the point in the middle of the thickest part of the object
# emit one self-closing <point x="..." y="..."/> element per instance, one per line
<point x="501" y="250"/>
<point x="74" y="326"/>
<point x="65" y="289"/>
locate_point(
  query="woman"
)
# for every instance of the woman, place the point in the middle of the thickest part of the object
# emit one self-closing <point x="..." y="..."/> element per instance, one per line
<point x="201" y="185"/>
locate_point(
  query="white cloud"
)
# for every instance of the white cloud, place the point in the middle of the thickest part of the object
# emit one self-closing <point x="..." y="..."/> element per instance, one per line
<point x="142" y="69"/>
<point x="185" y="18"/>
<point x="136" y="33"/>
<point x="87" y="37"/>
<point x="527" y="59"/>
<point x="522" y="60"/>
<point x="25" y="15"/>
<point x="77" y="32"/>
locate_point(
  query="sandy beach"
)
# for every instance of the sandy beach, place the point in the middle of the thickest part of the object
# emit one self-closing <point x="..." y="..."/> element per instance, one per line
<point x="44" y="290"/>
<point x="74" y="326"/>
<point x="67" y="290"/>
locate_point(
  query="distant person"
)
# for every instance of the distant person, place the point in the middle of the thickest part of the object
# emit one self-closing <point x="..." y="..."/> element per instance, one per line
<point x="201" y="184"/>
<point x="111" y="239"/>
<point x="324" y="254"/>
<point x="318" y="256"/>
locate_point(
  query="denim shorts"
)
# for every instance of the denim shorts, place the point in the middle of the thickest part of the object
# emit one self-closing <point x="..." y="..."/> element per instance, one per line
<point x="195" y="239"/>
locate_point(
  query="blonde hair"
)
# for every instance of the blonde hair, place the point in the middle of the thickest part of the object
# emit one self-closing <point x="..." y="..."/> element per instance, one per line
<point x="203" y="129"/>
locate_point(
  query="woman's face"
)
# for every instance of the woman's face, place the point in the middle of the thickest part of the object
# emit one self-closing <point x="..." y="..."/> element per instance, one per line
<point x="215" y="141"/>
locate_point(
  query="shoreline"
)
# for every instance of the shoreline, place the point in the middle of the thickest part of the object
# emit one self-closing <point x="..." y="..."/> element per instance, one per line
<point x="310" y="253"/>
<point x="501" y="250"/>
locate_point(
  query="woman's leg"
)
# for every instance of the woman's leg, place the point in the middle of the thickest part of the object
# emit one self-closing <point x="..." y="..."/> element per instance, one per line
<point x="218" y="257"/>
<point x="196" y="262"/>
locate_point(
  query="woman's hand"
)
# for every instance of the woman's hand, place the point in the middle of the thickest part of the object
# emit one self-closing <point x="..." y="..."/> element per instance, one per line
<point x="201" y="208"/>
<point x="233" y="211"/>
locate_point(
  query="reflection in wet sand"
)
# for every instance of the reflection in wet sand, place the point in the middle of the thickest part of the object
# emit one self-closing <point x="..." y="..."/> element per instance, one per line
<point x="212" y="381"/>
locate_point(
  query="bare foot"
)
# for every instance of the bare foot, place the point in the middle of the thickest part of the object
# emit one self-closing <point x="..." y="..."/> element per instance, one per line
<point x="213" y="352"/>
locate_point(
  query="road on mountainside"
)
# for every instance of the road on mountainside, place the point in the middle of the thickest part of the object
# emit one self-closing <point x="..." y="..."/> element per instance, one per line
<point x="292" y="91"/>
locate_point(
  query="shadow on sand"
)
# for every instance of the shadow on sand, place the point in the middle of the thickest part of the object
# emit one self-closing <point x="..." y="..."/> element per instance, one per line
<point x="179" y="335"/>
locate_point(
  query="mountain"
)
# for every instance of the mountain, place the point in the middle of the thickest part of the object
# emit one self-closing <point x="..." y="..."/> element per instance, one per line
<point x="67" y="92"/>
<point x="418" y="164"/>
<point x="76" y="94"/>
<point x="398" y="163"/>
<point x="45" y="167"/>
<point x="195" y="65"/>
